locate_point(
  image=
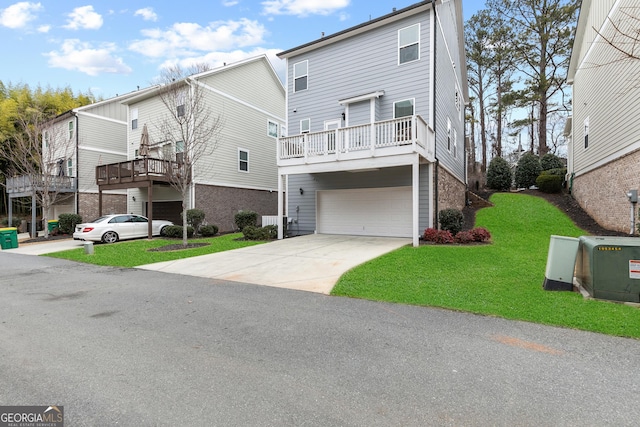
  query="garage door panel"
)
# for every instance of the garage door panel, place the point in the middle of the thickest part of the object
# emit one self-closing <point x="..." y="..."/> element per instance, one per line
<point x="367" y="212"/>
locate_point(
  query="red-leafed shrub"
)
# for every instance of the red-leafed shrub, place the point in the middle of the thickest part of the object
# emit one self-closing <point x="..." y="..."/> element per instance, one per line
<point x="464" y="237"/>
<point x="444" y="236"/>
<point x="481" y="234"/>
<point x="430" y="234"/>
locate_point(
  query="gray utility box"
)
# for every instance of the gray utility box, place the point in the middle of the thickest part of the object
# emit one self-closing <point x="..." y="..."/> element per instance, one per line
<point x="561" y="262"/>
<point x="609" y="267"/>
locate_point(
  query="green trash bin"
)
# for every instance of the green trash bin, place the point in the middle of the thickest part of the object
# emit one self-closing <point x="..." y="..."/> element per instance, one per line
<point x="53" y="223"/>
<point x="9" y="238"/>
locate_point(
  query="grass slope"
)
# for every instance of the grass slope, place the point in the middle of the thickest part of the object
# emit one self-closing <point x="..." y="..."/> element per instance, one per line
<point x="136" y="252"/>
<point x="502" y="279"/>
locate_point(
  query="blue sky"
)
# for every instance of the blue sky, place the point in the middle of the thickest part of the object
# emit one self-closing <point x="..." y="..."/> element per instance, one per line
<point x="111" y="47"/>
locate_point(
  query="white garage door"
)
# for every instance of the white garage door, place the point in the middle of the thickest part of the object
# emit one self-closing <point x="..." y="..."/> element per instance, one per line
<point x="365" y="212"/>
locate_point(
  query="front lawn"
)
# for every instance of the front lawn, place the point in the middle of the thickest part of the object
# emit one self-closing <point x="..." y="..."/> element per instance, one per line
<point x="501" y="279"/>
<point x="136" y="252"/>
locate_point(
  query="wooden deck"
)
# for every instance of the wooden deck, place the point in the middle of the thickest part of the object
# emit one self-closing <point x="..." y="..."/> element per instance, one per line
<point x="136" y="173"/>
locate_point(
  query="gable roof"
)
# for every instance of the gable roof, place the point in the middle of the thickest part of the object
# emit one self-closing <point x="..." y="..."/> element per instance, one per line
<point x="358" y="29"/>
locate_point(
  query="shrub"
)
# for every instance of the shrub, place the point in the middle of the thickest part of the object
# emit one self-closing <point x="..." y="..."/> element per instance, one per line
<point x="527" y="170"/>
<point x="550" y="183"/>
<point x="551" y="161"/>
<point x="481" y="234"/>
<point x="430" y="234"/>
<point x="464" y="237"/>
<point x="444" y="236"/>
<point x="208" y="230"/>
<point x="245" y="218"/>
<point x="175" y="231"/>
<point x="499" y="174"/>
<point x="558" y="171"/>
<point x="451" y="220"/>
<point x="268" y="232"/>
<point x="195" y="218"/>
<point x="67" y="222"/>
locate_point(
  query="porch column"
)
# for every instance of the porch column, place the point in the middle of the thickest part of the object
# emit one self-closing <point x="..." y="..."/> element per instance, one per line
<point x="280" y="208"/>
<point x="99" y="202"/>
<point x="10" y="211"/>
<point x="415" y="169"/>
<point x="34" y="229"/>
<point x="150" y="210"/>
<point x="431" y="194"/>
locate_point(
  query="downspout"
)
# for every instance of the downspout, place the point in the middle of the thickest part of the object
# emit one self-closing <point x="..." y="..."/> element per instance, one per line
<point x="434" y="117"/>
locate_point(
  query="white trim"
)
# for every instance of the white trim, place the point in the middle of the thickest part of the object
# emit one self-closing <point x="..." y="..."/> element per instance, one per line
<point x="240" y="150"/>
<point x="413" y="104"/>
<point x="293" y="70"/>
<point x="239" y="101"/>
<point x="359" y="98"/>
<point x="419" y="42"/>
<point x="269" y="122"/>
<point x="304" y="120"/>
<point x="415" y="190"/>
<point x="101" y="150"/>
<point x="446" y="45"/>
<point x="432" y="67"/>
<point x="449" y="135"/>
<point x="106" y="119"/>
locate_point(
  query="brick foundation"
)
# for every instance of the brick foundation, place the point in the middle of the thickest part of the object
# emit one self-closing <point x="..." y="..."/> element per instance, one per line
<point x="221" y="204"/>
<point x="602" y="192"/>
<point x="111" y="204"/>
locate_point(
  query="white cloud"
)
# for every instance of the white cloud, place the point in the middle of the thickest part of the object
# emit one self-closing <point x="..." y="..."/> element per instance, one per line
<point x="76" y="55"/>
<point x="44" y="28"/>
<point x="18" y="15"/>
<point x="147" y="14"/>
<point x="187" y="39"/>
<point x="230" y="3"/>
<point x="303" y="7"/>
<point x="84" y="18"/>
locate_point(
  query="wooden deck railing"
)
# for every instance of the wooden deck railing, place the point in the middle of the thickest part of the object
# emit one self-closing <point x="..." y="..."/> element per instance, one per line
<point x="145" y="169"/>
<point x="30" y="183"/>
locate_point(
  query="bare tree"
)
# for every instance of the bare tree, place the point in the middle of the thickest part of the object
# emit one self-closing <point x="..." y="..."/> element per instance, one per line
<point x="189" y="125"/>
<point x="625" y="36"/>
<point x="38" y="155"/>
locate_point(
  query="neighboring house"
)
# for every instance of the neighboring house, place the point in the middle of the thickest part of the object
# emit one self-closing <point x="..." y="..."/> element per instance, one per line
<point x="240" y="174"/>
<point x="604" y="131"/>
<point x="375" y="118"/>
<point x="74" y="143"/>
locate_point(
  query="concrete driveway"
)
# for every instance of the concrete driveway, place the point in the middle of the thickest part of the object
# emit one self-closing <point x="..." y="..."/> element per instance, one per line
<point x="311" y="263"/>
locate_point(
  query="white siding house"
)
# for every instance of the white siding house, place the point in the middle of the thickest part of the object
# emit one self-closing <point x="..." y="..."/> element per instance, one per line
<point x="375" y="120"/>
<point x="604" y="131"/>
<point x="240" y="173"/>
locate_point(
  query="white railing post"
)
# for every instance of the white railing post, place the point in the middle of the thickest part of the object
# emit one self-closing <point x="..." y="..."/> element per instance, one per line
<point x="372" y="136"/>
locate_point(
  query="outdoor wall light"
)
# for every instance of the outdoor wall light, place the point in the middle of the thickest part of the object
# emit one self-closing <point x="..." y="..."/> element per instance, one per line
<point x="301" y="191"/>
<point x="134" y="198"/>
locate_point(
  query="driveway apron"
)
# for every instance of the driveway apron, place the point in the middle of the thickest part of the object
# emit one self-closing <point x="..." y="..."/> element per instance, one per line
<point x="311" y="263"/>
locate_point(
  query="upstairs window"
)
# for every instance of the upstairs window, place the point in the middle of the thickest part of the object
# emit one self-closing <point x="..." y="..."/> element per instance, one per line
<point x="243" y="160"/>
<point x="69" y="167"/>
<point x="455" y="144"/>
<point x="272" y="129"/>
<point x="71" y="129"/>
<point x="180" y="151"/>
<point x="300" y="76"/>
<point x="305" y="126"/>
<point x="180" y="97"/>
<point x="134" y="118"/>
<point x="448" y="134"/>
<point x="409" y="44"/>
<point x="586" y="133"/>
<point x="403" y="108"/>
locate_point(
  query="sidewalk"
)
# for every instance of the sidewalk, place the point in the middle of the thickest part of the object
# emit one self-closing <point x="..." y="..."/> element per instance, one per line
<point x="40" y="248"/>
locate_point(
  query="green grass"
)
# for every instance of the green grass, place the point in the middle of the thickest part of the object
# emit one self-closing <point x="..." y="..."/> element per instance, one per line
<point x="501" y="279"/>
<point x="136" y="252"/>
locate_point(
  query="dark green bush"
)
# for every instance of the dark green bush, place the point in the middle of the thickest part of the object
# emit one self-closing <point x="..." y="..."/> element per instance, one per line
<point x="245" y="218"/>
<point x="558" y="171"/>
<point x="499" y="174"/>
<point x="550" y="183"/>
<point x="208" y="230"/>
<point x="551" y="161"/>
<point x="195" y="218"/>
<point x="67" y="222"/>
<point x="451" y="220"/>
<point x="175" y="231"/>
<point x="527" y="170"/>
<point x="268" y="232"/>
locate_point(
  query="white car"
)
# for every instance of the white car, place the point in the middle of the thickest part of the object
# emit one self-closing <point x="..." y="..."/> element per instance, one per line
<point x="111" y="228"/>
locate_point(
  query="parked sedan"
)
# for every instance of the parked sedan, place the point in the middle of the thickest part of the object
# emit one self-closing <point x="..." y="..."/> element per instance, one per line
<point x="111" y="228"/>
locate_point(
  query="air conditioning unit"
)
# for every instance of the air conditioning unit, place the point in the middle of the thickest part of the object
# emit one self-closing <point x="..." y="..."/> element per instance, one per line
<point x="609" y="267"/>
<point x="561" y="261"/>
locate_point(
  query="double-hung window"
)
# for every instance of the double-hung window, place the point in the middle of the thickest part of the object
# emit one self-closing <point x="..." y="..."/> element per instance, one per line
<point x="71" y="129"/>
<point x="180" y="152"/>
<point x="69" y="167"/>
<point x="305" y="126"/>
<point x="455" y="144"/>
<point x="180" y="100"/>
<point x="449" y="134"/>
<point x="272" y="129"/>
<point x="409" y="44"/>
<point x="134" y="118"/>
<point x="586" y="133"/>
<point x="300" y="76"/>
<point x="243" y="160"/>
<point x="401" y="109"/>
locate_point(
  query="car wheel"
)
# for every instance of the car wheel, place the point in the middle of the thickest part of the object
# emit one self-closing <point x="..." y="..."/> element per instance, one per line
<point x="110" y="237"/>
<point x="163" y="231"/>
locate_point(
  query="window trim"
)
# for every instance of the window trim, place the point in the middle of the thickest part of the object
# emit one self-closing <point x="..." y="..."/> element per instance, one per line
<point x="277" y="125"/>
<point x="413" y="104"/>
<point x="134" y="118"/>
<point x="586" y="133"/>
<point x="298" y="77"/>
<point x="243" y="150"/>
<point x="70" y="167"/>
<point x="448" y="134"/>
<point x="309" y="129"/>
<point x="400" y="47"/>
<point x="455" y="143"/>
<point x="72" y="129"/>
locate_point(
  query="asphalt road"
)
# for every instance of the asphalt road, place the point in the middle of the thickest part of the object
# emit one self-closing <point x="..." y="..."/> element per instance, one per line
<point x="125" y="347"/>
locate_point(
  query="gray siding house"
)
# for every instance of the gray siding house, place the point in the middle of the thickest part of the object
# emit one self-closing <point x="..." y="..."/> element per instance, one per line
<point x="375" y="121"/>
<point x="604" y="132"/>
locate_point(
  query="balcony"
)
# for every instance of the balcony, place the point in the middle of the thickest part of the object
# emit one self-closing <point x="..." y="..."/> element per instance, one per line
<point x="398" y="138"/>
<point x="25" y="185"/>
<point x="136" y="173"/>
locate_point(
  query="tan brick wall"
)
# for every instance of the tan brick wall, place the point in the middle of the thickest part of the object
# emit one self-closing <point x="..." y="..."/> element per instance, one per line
<point x="451" y="192"/>
<point x="221" y="204"/>
<point x="602" y="192"/>
<point x="111" y="204"/>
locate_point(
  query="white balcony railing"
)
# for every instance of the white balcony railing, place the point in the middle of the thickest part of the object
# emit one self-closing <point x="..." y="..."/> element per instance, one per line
<point x="412" y="134"/>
